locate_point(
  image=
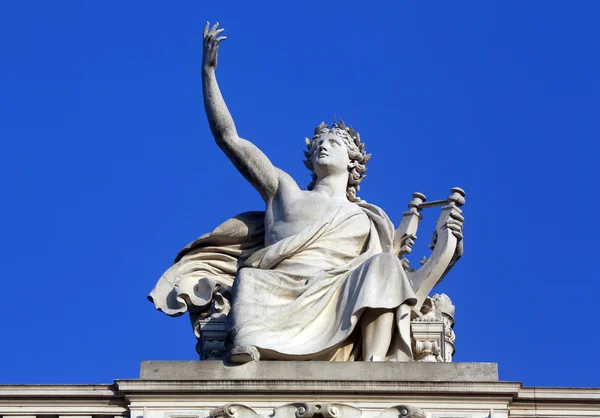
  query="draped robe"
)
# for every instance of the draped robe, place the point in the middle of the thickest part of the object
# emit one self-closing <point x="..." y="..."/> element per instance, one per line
<point x="302" y="297"/>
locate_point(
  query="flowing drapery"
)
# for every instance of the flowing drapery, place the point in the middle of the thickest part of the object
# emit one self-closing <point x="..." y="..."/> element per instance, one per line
<point x="299" y="298"/>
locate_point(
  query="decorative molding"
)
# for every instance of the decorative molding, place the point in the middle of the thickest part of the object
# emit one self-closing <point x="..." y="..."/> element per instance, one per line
<point x="432" y="334"/>
<point x="403" y="411"/>
<point x="312" y="409"/>
<point x="234" y="410"/>
<point x="211" y="333"/>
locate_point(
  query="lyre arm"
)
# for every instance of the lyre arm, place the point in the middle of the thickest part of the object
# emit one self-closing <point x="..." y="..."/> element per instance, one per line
<point x="405" y="235"/>
<point x="448" y="241"/>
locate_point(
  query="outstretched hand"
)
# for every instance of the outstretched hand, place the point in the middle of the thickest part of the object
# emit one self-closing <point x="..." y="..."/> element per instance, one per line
<point x="211" y="46"/>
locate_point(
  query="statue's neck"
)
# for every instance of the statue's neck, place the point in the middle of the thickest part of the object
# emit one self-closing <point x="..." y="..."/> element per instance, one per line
<point x="333" y="185"/>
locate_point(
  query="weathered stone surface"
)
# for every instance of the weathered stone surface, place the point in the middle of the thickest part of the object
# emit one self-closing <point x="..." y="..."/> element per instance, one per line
<point x="319" y="370"/>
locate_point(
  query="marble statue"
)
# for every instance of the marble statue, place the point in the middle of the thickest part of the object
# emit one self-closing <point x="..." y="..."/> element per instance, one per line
<point x="320" y="274"/>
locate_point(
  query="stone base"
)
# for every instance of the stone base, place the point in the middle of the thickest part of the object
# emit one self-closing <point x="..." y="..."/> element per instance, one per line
<point x="358" y="371"/>
<point x="306" y="389"/>
<point x="310" y="389"/>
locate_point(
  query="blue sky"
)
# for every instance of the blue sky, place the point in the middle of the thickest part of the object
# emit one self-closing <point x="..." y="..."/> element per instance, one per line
<point x="108" y="167"/>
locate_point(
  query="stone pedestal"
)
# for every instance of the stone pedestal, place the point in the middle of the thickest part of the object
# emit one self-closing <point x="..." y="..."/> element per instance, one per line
<point x="317" y="389"/>
<point x="357" y="372"/>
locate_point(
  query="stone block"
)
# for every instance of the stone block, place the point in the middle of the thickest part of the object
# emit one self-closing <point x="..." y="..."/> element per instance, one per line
<point x="319" y="371"/>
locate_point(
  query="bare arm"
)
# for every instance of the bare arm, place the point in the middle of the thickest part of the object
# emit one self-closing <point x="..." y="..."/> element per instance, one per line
<point x="247" y="158"/>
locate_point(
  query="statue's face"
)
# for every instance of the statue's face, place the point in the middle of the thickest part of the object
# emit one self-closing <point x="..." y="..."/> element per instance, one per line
<point x="330" y="155"/>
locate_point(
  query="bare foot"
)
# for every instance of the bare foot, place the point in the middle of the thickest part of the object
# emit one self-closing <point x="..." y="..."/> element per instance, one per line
<point x="241" y="355"/>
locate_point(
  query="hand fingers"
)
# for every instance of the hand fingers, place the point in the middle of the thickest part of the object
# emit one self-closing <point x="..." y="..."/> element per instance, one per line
<point x="213" y="33"/>
<point x="454" y="226"/>
<point x="456" y="229"/>
<point x="457" y="216"/>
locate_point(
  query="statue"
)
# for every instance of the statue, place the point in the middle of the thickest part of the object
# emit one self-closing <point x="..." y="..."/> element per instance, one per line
<point x="320" y="274"/>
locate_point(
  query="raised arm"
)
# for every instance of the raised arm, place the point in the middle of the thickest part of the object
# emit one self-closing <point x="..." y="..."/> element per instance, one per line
<point x="247" y="158"/>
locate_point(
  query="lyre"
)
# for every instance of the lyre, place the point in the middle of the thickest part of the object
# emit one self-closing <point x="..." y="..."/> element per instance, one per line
<point x="446" y="246"/>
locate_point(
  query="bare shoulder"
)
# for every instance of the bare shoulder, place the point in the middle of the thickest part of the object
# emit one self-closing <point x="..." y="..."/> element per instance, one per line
<point x="286" y="182"/>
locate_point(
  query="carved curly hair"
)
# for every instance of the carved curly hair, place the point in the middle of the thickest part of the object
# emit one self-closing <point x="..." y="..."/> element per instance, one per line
<point x="356" y="151"/>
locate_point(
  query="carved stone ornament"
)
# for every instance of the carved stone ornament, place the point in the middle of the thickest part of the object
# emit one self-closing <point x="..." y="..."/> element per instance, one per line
<point x="403" y="411"/>
<point x="310" y="410"/>
<point x="313" y="409"/>
<point x="432" y="333"/>
<point x="234" y="410"/>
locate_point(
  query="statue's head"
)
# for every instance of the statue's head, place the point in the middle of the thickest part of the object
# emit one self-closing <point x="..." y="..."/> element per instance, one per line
<point x="337" y="149"/>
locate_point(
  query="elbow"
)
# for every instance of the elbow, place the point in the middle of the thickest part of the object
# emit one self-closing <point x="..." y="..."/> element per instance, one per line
<point x="225" y="139"/>
<point x="222" y="133"/>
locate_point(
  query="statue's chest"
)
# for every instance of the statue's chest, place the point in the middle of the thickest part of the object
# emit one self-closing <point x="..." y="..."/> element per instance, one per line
<point x="305" y="209"/>
<point x="287" y="217"/>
